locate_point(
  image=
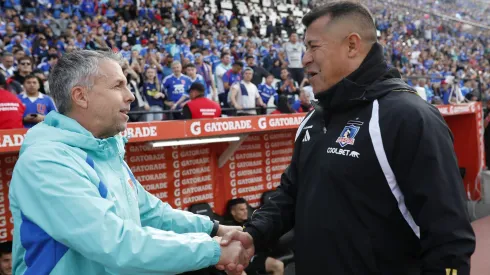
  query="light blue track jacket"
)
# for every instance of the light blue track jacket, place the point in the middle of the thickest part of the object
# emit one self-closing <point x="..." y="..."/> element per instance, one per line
<point x="78" y="209"/>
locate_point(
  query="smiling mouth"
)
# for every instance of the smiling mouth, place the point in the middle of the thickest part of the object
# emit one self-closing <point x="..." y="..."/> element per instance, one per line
<point x="311" y="74"/>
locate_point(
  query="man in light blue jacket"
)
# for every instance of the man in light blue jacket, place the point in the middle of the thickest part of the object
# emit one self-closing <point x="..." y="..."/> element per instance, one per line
<point x="77" y="207"/>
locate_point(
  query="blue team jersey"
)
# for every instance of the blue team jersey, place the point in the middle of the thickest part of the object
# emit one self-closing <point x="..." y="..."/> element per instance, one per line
<point x="266" y="92"/>
<point x="215" y="61"/>
<point x="230" y="78"/>
<point x="44" y="66"/>
<point x="150" y="91"/>
<point x="175" y="87"/>
<point x="42" y="105"/>
<point x="200" y="79"/>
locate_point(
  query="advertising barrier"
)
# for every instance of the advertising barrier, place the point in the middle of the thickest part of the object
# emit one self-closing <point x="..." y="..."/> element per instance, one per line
<point x="187" y="174"/>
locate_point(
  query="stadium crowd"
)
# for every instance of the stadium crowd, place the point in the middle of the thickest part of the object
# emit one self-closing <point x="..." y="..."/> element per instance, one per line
<point x="243" y="61"/>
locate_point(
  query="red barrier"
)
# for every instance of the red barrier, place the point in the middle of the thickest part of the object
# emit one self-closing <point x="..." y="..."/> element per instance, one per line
<point x="216" y="172"/>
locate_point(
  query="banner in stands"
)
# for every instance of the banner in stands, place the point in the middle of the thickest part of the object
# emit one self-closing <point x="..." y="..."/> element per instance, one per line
<point x="7" y="162"/>
<point x="179" y="175"/>
<point x="257" y="165"/>
<point x="11" y="140"/>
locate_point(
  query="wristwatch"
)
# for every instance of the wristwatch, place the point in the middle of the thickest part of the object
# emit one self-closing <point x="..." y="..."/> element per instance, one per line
<point x="215" y="229"/>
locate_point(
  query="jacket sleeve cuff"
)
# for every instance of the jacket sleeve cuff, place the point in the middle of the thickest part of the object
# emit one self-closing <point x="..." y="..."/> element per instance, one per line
<point x="217" y="253"/>
<point x="208" y="225"/>
<point x="256" y="235"/>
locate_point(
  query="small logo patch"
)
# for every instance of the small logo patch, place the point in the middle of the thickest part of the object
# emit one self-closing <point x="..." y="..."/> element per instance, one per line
<point x="348" y="134"/>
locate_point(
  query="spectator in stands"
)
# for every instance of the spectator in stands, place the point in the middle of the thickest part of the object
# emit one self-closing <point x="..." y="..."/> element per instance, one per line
<point x="232" y="76"/>
<point x="167" y="68"/>
<point x="41" y="51"/>
<point x="175" y="87"/>
<point x="303" y="104"/>
<point x="244" y="95"/>
<point x="44" y="88"/>
<point x="207" y="73"/>
<point x="11" y="108"/>
<point x="237" y="215"/>
<point x="267" y="92"/>
<point x="305" y="86"/>
<point x="18" y="54"/>
<point x="287" y="86"/>
<point x="259" y="73"/>
<point x="24" y="68"/>
<point x="6" y="258"/>
<point x="221" y="69"/>
<point x="154" y="97"/>
<point x="46" y="66"/>
<point x="199" y="106"/>
<point x="191" y="72"/>
<point x="140" y="102"/>
<point x="292" y="55"/>
<point x="7" y="65"/>
<point x="283" y="106"/>
<point x="111" y="225"/>
<point x="37" y="104"/>
<point x="276" y="68"/>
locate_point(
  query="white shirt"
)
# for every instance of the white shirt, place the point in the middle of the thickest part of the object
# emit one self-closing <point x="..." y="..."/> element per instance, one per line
<point x="309" y="92"/>
<point x="221" y="69"/>
<point x="421" y="92"/>
<point x="246" y="101"/>
<point x="9" y="72"/>
<point x="294" y="54"/>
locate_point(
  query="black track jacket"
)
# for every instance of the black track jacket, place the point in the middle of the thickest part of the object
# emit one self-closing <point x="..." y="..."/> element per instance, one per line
<point x="373" y="186"/>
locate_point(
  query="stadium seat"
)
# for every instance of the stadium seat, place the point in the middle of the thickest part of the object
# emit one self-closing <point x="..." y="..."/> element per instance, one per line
<point x="250" y="210"/>
<point x="206" y="210"/>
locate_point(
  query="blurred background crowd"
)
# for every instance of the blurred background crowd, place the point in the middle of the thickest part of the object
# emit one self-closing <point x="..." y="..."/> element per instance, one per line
<point x="228" y="47"/>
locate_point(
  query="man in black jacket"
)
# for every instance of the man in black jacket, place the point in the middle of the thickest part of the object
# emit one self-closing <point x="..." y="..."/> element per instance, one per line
<point x="373" y="186"/>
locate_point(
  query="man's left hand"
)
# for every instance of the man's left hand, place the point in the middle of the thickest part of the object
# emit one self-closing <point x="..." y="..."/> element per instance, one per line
<point x="223" y="229"/>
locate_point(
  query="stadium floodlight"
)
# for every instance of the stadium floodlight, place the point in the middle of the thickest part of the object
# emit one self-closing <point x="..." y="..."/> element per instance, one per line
<point x="193" y="141"/>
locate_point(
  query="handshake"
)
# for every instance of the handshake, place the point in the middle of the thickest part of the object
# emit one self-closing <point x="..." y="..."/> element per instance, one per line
<point x="237" y="249"/>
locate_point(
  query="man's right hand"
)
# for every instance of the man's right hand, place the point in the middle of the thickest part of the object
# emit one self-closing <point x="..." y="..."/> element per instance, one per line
<point x="246" y="241"/>
<point x="234" y="258"/>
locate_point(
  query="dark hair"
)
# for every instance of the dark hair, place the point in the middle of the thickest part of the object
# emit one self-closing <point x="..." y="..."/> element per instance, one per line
<point x="53" y="56"/>
<point x="17" y="50"/>
<point x="283" y="105"/>
<point x="25" y="57"/>
<point x="30" y="76"/>
<point x="190" y="65"/>
<point x="224" y="54"/>
<point x="342" y="9"/>
<point x="238" y="63"/>
<point x="231" y="203"/>
<point x="5" y="248"/>
<point x="198" y="87"/>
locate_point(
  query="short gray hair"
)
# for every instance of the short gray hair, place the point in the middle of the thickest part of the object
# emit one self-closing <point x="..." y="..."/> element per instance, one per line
<point x="248" y="69"/>
<point x="176" y="62"/>
<point x="77" y="68"/>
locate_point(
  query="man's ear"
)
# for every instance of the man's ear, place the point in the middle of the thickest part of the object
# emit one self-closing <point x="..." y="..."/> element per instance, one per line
<point x="79" y="96"/>
<point x="354" y="43"/>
